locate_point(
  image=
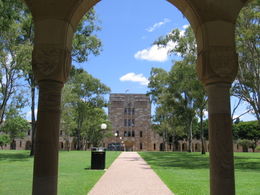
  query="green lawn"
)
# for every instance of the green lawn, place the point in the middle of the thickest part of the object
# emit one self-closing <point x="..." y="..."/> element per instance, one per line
<point x="75" y="177"/>
<point x="188" y="173"/>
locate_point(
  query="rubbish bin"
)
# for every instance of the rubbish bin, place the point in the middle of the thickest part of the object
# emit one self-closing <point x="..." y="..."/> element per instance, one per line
<point x="98" y="158"/>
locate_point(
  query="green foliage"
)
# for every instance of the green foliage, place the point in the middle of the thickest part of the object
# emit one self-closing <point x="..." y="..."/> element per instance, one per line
<point x="15" y="126"/>
<point x="247" y="85"/>
<point x="179" y="95"/>
<point x="247" y="133"/>
<point x="13" y="56"/>
<point x="82" y="105"/>
<point x="247" y="130"/>
<point x="4" y="139"/>
<point x="85" y="42"/>
<point x="245" y="143"/>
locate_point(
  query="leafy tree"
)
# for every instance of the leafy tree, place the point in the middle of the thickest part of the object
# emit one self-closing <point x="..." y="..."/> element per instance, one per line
<point x="15" y="126"/>
<point x="179" y="91"/>
<point x="249" y="130"/>
<point x="247" y="84"/>
<point x="11" y="62"/>
<point x="85" y="43"/>
<point x="82" y="108"/>
<point x="4" y="139"/>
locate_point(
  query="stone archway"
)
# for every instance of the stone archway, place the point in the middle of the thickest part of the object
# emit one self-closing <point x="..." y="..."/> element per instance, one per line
<point x="213" y="25"/>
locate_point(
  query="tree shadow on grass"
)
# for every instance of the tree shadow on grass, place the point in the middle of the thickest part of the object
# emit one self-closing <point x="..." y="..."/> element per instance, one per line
<point x="185" y="160"/>
<point x="179" y="160"/>
<point x="247" y="163"/>
<point x="14" y="157"/>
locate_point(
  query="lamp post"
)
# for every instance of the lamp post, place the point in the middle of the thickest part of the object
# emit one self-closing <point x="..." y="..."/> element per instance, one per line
<point x="116" y="134"/>
<point x="103" y="126"/>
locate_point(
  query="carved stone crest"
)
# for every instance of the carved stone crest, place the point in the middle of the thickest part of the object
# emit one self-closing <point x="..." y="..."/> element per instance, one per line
<point x="217" y="64"/>
<point x="50" y="62"/>
<point x="223" y="61"/>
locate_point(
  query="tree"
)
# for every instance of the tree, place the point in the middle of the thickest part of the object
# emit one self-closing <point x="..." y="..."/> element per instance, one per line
<point x="4" y="139"/>
<point x="82" y="110"/>
<point x="247" y="84"/>
<point x="11" y="61"/>
<point x="84" y="44"/>
<point x="249" y="131"/>
<point x="179" y="90"/>
<point x="15" y="126"/>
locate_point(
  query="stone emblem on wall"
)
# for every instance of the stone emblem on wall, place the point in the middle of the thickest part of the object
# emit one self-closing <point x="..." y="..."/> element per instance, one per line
<point x="223" y="61"/>
<point x="217" y="64"/>
<point x="50" y="62"/>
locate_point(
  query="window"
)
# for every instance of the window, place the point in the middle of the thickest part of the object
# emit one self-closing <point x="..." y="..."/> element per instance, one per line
<point x="117" y="133"/>
<point x="133" y="111"/>
<point x="133" y="122"/>
<point x="125" y="133"/>
<point x="129" y="134"/>
<point x="154" y="146"/>
<point x="29" y="132"/>
<point x="141" y="134"/>
<point x="129" y="122"/>
<point x="60" y="132"/>
<point x="133" y="133"/>
<point x="129" y="110"/>
<point x="141" y="146"/>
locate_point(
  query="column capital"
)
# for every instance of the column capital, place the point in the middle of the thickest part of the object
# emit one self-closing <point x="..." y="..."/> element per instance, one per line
<point x="51" y="62"/>
<point x="217" y="64"/>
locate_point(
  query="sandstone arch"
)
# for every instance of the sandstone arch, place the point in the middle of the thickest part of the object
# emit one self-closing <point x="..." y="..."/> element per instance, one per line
<point x="213" y="23"/>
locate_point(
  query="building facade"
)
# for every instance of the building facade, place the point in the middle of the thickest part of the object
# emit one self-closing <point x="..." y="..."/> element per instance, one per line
<point x="130" y="116"/>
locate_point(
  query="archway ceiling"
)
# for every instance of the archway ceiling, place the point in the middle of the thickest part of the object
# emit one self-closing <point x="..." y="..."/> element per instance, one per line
<point x="197" y="11"/>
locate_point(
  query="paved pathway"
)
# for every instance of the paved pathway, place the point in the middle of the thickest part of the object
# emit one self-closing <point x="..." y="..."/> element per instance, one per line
<point x="130" y="174"/>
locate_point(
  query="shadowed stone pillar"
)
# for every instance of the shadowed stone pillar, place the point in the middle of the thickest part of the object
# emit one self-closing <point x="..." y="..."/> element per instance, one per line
<point x="51" y="65"/>
<point x="47" y="136"/>
<point x="220" y="140"/>
<point x="55" y="22"/>
<point x="217" y="68"/>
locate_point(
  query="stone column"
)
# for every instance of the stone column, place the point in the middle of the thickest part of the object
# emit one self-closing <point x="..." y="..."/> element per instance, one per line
<point x="47" y="138"/>
<point x="220" y="140"/>
<point x="217" y="68"/>
<point x="51" y="65"/>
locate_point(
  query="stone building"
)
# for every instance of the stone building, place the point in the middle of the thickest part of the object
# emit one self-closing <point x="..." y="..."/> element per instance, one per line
<point x="130" y="116"/>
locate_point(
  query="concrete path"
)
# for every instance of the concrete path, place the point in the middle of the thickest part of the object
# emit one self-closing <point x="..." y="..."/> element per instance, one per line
<point x="130" y="174"/>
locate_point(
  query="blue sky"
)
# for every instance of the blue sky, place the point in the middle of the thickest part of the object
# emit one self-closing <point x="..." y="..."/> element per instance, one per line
<point x="129" y="27"/>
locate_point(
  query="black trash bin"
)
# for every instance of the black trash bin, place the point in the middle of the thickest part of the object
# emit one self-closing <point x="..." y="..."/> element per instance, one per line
<point x="98" y="158"/>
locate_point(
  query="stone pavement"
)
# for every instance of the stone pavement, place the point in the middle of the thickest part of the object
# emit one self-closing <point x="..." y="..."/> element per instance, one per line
<point x="130" y="174"/>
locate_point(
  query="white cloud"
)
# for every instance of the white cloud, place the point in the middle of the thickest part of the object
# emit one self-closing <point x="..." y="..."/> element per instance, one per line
<point x="155" y="53"/>
<point x="158" y="25"/>
<point x="132" y="77"/>
<point x="28" y="114"/>
<point x="184" y="27"/>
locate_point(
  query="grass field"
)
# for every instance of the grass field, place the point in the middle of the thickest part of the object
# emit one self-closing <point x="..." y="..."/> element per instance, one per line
<point x="188" y="173"/>
<point x="75" y="177"/>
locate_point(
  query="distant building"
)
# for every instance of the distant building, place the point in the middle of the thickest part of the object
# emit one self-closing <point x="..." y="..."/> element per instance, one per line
<point x="130" y="115"/>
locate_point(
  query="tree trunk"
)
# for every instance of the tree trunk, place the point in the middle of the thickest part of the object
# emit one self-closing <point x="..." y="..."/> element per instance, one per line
<point x="33" y="123"/>
<point x="202" y="133"/>
<point x="190" y="137"/>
